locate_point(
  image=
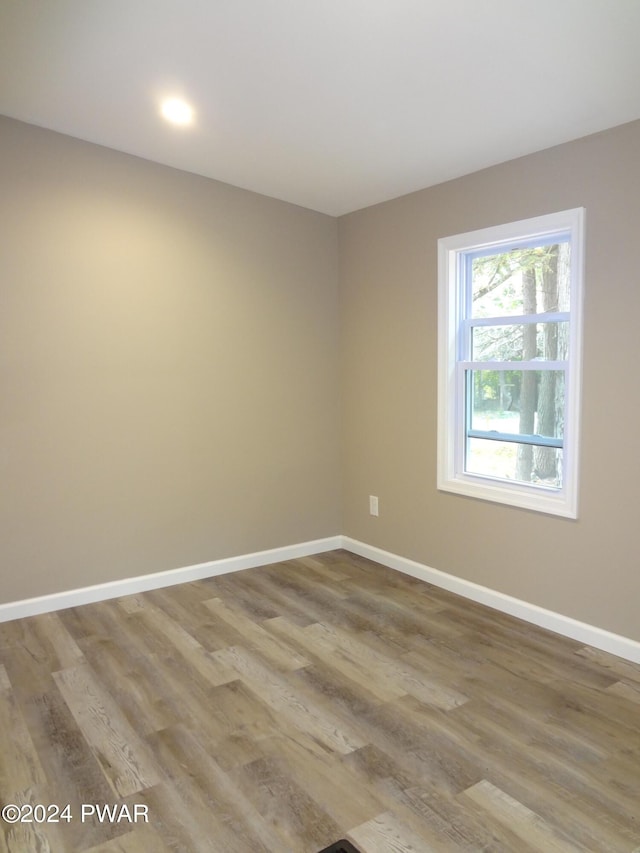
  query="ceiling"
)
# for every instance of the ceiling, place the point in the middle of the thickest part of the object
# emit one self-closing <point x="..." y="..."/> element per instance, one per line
<point x="330" y="104"/>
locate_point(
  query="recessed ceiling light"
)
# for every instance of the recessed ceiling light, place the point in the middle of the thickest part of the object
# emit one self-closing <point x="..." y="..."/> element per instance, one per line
<point x="177" y="111"/>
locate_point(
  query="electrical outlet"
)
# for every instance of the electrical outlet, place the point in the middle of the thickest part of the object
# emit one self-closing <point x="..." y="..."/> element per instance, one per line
<point x="373" y="505"/>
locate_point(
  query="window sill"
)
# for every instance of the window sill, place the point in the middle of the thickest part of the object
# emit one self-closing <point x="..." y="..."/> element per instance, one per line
<point x="535" y="498"/>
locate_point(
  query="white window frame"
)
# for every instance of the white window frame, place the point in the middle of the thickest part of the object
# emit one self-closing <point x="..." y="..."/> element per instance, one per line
<point x="452" y="404"/>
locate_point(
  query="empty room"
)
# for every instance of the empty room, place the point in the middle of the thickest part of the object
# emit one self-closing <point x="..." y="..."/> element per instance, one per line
<point x="317" y="428"/>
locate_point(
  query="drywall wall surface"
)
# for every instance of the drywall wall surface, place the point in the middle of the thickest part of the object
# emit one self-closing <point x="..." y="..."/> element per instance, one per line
<point x="585" y="568"/>
<point x="168" y="366"/>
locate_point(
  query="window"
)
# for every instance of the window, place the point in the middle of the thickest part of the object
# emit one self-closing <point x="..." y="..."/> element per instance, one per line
<point x="510" y="301"/>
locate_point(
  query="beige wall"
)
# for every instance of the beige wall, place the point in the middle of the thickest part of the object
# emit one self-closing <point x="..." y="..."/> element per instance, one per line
<point x="172" y="390"/>
<point x="589" y="568"/>
<point x="168" y="368"/>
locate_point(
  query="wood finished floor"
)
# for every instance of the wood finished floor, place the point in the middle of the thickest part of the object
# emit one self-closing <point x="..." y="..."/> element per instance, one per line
<point x="286" y="707"/>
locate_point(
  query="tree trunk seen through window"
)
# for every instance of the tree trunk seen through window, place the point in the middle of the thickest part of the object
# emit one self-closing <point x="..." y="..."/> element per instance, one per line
<point x="545" y="458"/>
<point x="528" y="390"/>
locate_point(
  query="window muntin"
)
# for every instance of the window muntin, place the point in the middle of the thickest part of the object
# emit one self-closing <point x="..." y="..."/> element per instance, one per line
<point x="510" y="315"/>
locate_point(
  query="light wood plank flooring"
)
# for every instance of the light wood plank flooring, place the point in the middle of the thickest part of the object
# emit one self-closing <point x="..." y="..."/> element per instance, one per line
<point x="286" y="707"/>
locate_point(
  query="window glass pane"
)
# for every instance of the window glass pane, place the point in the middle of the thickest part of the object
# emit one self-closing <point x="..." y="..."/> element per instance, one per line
<point x="529" y="402"/>
<point x="520" y="281"/>
<point x="546" y="341"/>
<point x="519" y="402"/>
<point x="517" y="462"/>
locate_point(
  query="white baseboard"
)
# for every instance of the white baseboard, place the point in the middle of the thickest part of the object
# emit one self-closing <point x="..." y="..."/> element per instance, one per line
<point x="565" y="625"/>
<point x="143" y="583"/>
